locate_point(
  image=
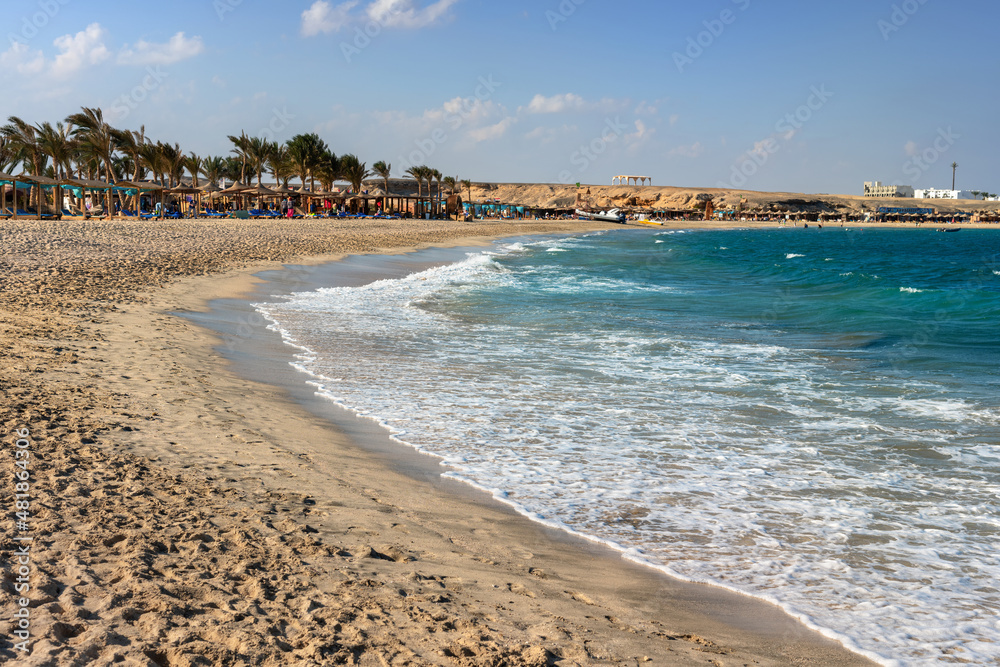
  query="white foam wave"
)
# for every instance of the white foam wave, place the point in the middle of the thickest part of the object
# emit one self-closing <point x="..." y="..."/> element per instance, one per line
<point x="793" y="255"/>
<point x="794" y="480"/>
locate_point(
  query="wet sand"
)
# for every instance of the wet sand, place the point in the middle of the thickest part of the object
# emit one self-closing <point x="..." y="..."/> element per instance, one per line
<point x="185" y="514"/>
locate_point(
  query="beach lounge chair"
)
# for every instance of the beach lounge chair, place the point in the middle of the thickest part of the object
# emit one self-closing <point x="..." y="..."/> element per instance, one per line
<point x="6" y="213"/>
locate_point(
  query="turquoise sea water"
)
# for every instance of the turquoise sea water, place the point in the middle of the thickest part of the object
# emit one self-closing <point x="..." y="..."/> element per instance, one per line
<point x="809" y="416"/>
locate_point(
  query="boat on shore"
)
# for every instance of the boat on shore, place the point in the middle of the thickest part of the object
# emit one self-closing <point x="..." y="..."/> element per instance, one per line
<point x="950" y="229"/>
<point x="612" y="215"/>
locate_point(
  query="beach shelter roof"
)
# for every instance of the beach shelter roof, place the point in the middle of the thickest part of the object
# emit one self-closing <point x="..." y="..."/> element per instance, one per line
<point x="261" y="191"/>
<point x="284" y="190"/>
<point x="210" y="187"/>
<point x="184" y="190"/>
<point x="144" y="187"/>
<point x="235" y="188"/>
<point x="40" y="180"/>
<point x="86" y="183"/>
<point x="10" y="178"/>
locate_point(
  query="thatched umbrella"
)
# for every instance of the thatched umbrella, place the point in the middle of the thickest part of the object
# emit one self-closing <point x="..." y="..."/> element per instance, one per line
<point x="235" y="190"/>
<point x="185" y="190"/>
<point x="260" y="191"/>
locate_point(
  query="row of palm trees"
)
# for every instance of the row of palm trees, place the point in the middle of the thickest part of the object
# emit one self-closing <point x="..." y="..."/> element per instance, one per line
<point x="85" y="145"/>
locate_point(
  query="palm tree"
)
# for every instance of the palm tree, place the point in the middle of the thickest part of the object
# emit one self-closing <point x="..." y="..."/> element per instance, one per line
<point x="416" y="174"/>
<point x="232" y="168"/>
<point x="280" y="164"/>
<point x="212" y="168"/>
<point x="954" y="168"/>
<point x="56" y="143"/>
<point x="23" y="141"/>
<point x="450" y="182"/>
<point x="382" y="170"/>
<point x="258" y="151"/>
<point x="173" y="162"/>
<point x="131" y="142"/>
<point x="437" y="177"/>
<point x="428" y="175"/>
<point x="355" y="171"/>
<point x="306" y="151"/>
<point x="241" y="147"/>
<point x="193" y="164"/>
<point x="7" y="160"/>
<point x="99" y="139"/>
<point x="467" y="184"/>
<point x="328" y="169"/>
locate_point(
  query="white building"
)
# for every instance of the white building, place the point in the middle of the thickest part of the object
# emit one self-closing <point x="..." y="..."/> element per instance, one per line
<point x="880" y="191"/>
<point x="933" y="193"/>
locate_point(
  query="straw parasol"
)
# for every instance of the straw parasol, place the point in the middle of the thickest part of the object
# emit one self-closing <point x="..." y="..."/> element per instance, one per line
<point x="261" y="191"/>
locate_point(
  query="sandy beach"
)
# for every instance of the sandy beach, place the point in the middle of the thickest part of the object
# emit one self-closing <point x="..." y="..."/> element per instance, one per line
<point x="182" y="514"/>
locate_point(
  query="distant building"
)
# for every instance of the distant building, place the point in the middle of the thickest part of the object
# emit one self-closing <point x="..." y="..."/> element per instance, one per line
<point x="933" y="193"/>
<point x="880" y="191"/>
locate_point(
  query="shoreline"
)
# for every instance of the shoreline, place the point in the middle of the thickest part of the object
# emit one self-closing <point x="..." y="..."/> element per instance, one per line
<point x="473" y="583"/>
<point x="367" y="434"/>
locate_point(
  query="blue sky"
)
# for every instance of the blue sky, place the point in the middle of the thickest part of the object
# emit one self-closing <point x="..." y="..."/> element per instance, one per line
<point x="767" y="95"/>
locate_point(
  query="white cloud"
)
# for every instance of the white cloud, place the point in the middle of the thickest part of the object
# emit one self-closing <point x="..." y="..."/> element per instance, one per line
<point x="81" y="50"/>
<point x="492" y="132"/>
<point x="556" y="103"/>
<point x="673" y="119"/>
<point x="646" y="109"/>
<point x="911" y="148"/>
<point x="324" y="17"/>
<point x="692" y="151"/>
<point x="402" y="13"/>
<point x="641" y="134"/>
<point x="146" y="53"/>
<point x="20" y="58"/>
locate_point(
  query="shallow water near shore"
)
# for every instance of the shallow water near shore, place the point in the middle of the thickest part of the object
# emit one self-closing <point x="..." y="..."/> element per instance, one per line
<point x="808" y="416"/>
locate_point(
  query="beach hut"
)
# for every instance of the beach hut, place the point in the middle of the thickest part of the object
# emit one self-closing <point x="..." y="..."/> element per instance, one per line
<point x="130" y="188"/>
<point x="12" y="181"/>
<point x="43" y="183"/>
<point x="80" y="186"/>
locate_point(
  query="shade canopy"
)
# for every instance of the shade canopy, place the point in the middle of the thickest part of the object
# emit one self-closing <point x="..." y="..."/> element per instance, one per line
<point x="86" y="183"/>
<point x="235" y="188"/>
<point x="142" y="187"/>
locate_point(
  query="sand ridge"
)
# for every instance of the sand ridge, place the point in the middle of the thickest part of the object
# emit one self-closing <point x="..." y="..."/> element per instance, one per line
<point x="186" y="516"/>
